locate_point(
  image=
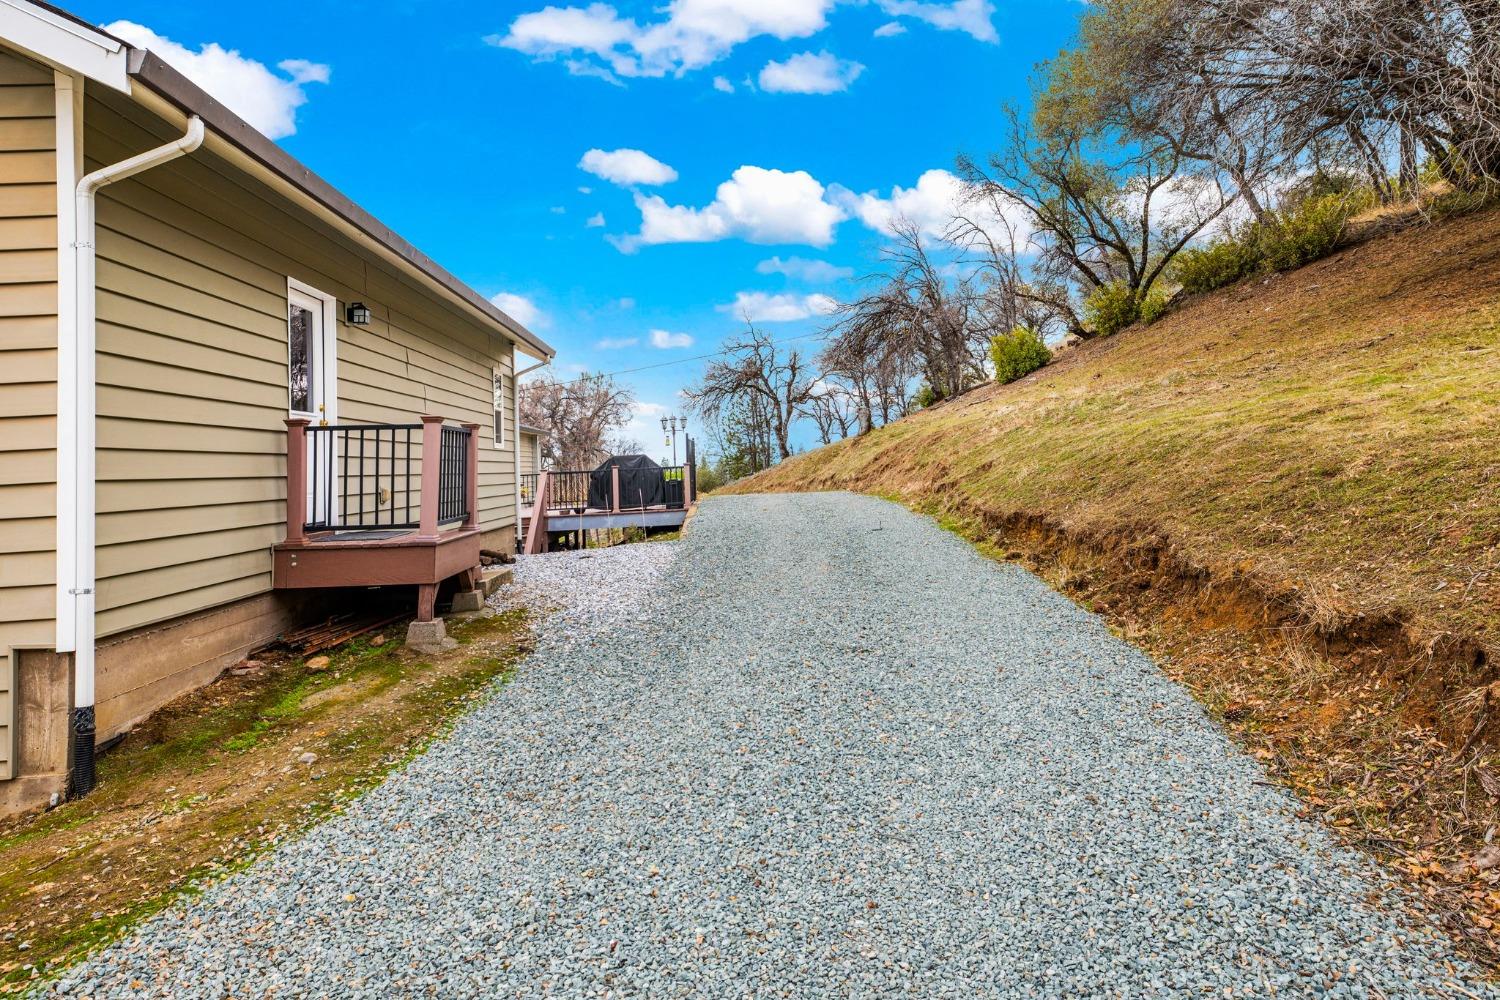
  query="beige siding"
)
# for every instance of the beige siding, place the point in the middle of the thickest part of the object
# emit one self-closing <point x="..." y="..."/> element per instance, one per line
<point x="529" y="446"/>
<point x="28" y="372"/>
<point x="193" y="268"/>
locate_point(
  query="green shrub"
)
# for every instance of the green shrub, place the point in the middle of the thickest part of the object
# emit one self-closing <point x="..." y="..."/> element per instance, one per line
<point x="1154" y="307"/>
<point x="709" y="477"/>
<point x="1111" y="308"/>
<point x="1220" y="263"/>
<point x="1307" y="231"/>
<point x="925" y="396"/>
<point x="1322" y="184"/>
<point x="1306" y="227"/>
<point x="1460" y="202"/>
<point x="1017" y="353"/>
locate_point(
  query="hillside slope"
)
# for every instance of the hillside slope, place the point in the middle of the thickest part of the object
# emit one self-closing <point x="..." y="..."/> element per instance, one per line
<point x="1289" y="491"/>
<point x="1333" y="433"/>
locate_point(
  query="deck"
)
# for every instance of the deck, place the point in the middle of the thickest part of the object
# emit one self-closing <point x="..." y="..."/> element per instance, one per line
<point x="588" y="500"/>
<point x="375" y="505"/>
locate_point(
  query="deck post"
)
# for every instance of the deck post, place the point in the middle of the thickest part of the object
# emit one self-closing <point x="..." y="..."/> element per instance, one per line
<point x="536" y="534"/>
<point x="426" y="602"/>
<point x="471" y="485"/>
<point x="614" y="488"/>
<point x="432" y="468"/>
<point x="296" y="478"/>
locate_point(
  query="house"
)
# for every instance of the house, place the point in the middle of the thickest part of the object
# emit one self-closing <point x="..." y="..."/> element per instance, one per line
<point x="531" y="450"/>
<point x="229" y="399"/>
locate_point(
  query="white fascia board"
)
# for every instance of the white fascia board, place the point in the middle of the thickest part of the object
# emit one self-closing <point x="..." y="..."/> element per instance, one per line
<point x="65" y="44"/>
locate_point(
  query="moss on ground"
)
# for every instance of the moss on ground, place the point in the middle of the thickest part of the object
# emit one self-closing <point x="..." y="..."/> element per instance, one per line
<point x="214" y="779"/>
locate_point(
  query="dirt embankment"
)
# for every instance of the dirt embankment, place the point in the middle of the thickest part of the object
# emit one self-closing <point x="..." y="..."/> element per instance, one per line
<point x="1290" y="492"/>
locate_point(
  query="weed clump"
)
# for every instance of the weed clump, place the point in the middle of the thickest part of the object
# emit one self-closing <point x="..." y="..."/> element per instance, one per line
<point x="1017" y="353"/>
<point x="1111" y="308"/>
<point x="1309" y="225"/>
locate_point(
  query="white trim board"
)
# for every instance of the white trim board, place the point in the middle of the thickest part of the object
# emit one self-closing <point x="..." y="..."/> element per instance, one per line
<point x="330" y="371"/>
<point x="68" y="109"/>
<point x="64" y="44"/>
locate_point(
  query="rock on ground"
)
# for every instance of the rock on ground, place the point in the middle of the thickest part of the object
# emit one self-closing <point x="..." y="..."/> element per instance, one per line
<point x="819" y="748"/>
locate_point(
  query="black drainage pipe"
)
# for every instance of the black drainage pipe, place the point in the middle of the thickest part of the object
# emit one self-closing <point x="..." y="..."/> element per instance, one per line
<point x="83" y="778"/>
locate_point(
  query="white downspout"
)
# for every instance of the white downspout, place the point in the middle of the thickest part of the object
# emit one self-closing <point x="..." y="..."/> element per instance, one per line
<point x="83" y="337"/>
<point x="515" y="391"/>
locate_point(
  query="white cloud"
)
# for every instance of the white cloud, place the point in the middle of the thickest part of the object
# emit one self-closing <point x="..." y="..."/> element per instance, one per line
<point x="645" y="425"/>
<point x="596" y="220"/>
<point x="973" y="17"/>
<point x="932" y="204"/>
<point x="665" y="340"/>
<point x="815" y="271"/>
<point x="756" y="204"/>
<point x="810" y="73"/>
<point x="250" y="89"/>
<point x="582" y="67"/>
<point x="302" y="71"/>
<point x="553" y="31"/>
<point x="559" y="210"/>
<point x="596" y="40"/>
<point x="616" y="343"/>
<point x="762" y="307"/>
<point x="584" y="189"/>
<point x="519" y="308"/>
<point x="890" y="30"/>
<point x="722" y="85"/>
<point x="625" y="303"/>
<point x="627" y="167"/>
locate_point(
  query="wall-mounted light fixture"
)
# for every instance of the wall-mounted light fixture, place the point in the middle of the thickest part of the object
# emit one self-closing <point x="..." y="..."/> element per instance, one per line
<point x="358" y="313"/>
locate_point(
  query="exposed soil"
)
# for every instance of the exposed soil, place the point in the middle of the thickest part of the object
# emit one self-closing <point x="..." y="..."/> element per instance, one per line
<point x="218" y="776"/>
<point x="1391" y="743"/>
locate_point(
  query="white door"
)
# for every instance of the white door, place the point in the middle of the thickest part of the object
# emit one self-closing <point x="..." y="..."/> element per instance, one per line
<point x="312" y="390"/>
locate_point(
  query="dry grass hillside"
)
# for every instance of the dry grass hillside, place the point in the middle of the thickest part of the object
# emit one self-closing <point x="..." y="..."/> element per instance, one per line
<point x="1290" y="490"/>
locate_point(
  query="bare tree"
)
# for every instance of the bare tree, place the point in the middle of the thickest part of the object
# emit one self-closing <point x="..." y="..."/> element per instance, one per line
<point x="832" y="407"/>
<point x="1385" y="79"/>
<point x="1126" y="78"/>
<point x="920" y="317"/>
<point x="877" y="387"/>
<point x="578" y="417"/>
<point x="1099" y="213"/>
<point x="775" y="387"/>
<point x="1007" y="295"/>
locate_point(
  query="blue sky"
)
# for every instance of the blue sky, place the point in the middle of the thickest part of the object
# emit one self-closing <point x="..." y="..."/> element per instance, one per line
<point x="463" y="127"/>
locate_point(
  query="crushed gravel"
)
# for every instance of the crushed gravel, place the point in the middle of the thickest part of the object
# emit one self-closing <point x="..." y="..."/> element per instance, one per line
<point x="820" y="748"/>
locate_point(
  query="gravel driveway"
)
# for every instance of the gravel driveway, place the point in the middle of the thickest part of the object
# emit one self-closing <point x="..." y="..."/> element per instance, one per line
<point x="819" y="748"/>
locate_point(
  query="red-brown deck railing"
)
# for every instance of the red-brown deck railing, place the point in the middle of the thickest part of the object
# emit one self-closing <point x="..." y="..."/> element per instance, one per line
<point x="381" y="477"/>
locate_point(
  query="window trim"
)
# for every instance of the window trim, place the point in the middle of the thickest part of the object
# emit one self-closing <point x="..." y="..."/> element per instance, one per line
<point x="498" y="377"/>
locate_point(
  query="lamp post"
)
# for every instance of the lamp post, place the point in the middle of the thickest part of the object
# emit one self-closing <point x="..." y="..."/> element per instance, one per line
<point x="670" y="426"/>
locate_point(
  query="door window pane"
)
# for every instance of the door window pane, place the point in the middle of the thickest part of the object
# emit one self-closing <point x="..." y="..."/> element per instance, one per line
<point x="300" y="337"/>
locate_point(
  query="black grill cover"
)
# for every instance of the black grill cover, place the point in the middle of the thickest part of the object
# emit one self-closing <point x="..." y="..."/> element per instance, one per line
<point x="641" y="483"/>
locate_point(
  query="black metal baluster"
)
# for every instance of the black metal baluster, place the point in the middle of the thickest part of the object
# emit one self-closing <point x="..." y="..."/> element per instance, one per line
<point x="375" y="480"/>
<point x="328" y="482"/>
<point x="361" y="478"/>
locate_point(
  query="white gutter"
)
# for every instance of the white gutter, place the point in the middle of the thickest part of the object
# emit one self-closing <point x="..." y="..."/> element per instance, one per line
<point x="515" y="391"/>
<point x="77" y="335"/>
